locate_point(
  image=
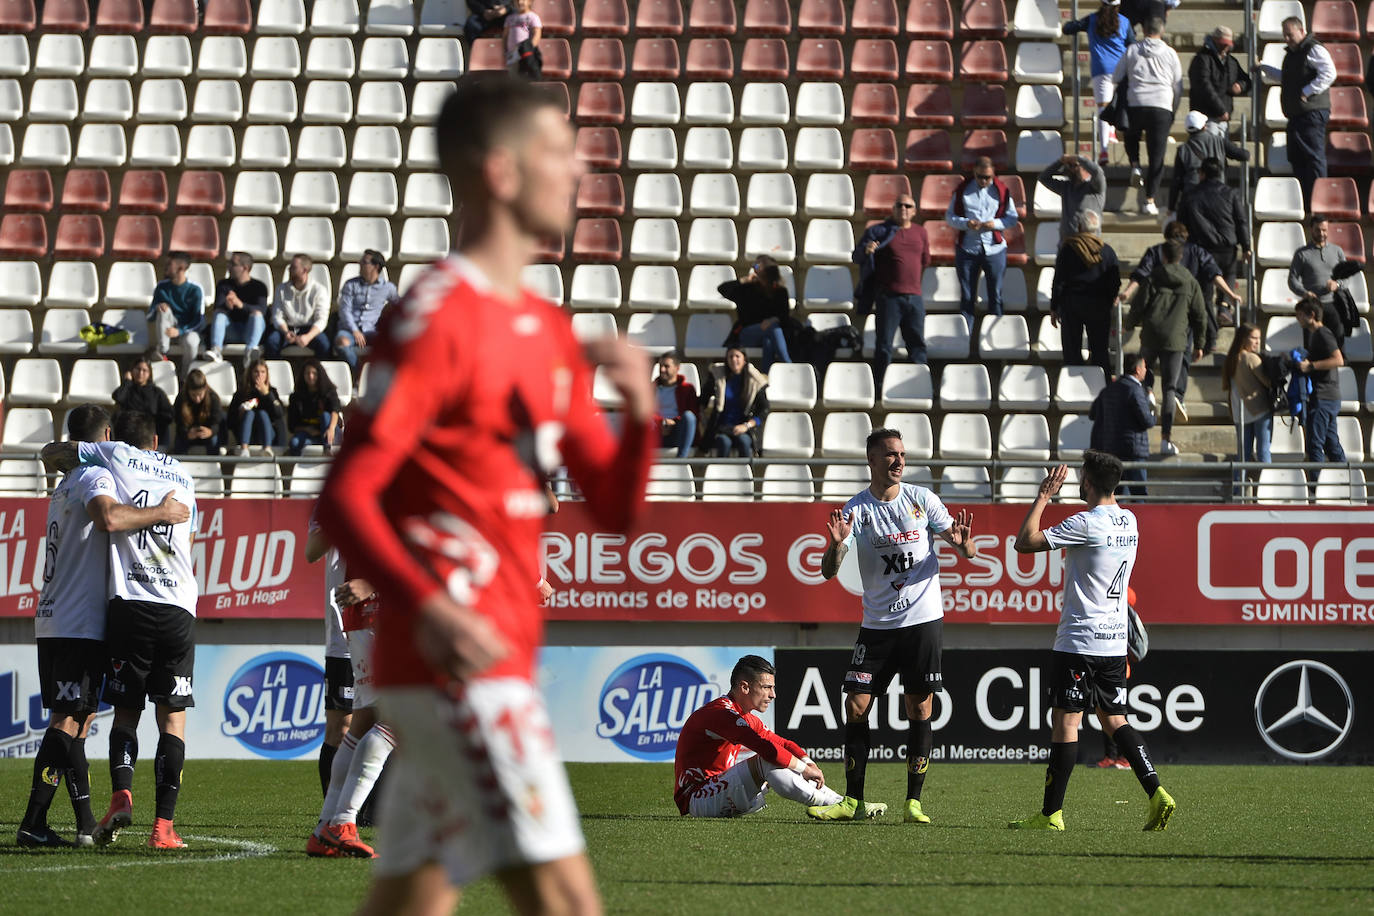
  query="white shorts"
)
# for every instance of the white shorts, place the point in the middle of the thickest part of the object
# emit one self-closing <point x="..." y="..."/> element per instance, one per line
<point x="731" y="794"/>
<point x="477" y="786"/>
<point x="360" y="656"/>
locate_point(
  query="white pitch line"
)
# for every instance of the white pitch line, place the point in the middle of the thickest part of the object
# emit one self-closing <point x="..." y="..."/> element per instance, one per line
<point x="247" y="850"/>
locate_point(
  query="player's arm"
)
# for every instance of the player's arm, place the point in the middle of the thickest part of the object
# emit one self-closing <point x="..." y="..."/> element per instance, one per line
<point x="838" y="526"/>
<point x="110" y="515"/>
<point x="60" y="456"/>
<point x="749" y="732"/>
<point x="316" y="546"/>
<point x="1030" y="539"/>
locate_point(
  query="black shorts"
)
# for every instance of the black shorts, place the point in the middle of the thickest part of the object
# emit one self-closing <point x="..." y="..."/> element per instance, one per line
<point x="152" y="649"/>
<point x="1086" y="682"/>
<point x="913" y="652"/>
<point x="338" y="684"/>
<point x="70" y="672"/>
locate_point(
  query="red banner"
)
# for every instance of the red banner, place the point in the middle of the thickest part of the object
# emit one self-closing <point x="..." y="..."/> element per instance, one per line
<point x="248" y="554"/>
<point x="761" y="561"/>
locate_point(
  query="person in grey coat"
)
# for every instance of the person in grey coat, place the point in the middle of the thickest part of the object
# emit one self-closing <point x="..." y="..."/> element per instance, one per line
<point x="1081" y="186"/>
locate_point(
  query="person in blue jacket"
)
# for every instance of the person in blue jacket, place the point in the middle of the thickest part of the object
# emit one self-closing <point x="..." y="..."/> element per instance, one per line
<point x="1108" y="34"/>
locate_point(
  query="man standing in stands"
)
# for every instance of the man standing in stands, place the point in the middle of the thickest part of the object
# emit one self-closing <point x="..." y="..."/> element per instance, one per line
<point x="1215" y="216"/>
<point x="1309" y="274"/>
<point x="1215" y="79"/>
<point x="892" y="256"/>
<point x="1305" y="92"/>
<point x="1122" y="416"/>
<point x="1081" y="185"/>
<point x="1201" y="145"/>
<point x="1087" y="276"/>
<point x="981" y="210"/>
<point x="1324" y="357"/>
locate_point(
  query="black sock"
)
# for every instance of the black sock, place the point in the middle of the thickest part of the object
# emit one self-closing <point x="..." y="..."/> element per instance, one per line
<point x="1063" y="755"/>
<point x="855" y="757"/>
<point x="167" y="765"/>
<point x="48" y="765"/>
<point x="79" y="785"/>
<point x="327" y="752"/>
<point x="918" y="757"/>
<point x="1133" y="749"/>
<point x="123" y="756"/>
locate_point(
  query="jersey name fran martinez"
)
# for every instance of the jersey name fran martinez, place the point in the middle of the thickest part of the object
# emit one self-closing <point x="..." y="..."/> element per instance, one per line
<point x="153" y="563"/>
<point x="897" y="561"/>
<point x="1099" y="553"/>
<point x="75" y="567"/>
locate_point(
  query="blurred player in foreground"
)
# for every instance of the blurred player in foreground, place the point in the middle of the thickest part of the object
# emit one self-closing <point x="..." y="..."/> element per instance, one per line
<point x="478" y="388"/>
<point x="708" y="780"/>
<point x="1089" y="666"/>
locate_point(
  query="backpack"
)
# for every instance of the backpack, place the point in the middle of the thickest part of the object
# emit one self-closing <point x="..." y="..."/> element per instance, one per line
<point x="826" y="344"/>
<point x="1275" y="369"/>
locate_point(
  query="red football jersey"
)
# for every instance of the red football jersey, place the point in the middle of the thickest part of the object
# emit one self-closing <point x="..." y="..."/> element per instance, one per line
<point x="712" y="738"/>
<point x="470" y="398"/>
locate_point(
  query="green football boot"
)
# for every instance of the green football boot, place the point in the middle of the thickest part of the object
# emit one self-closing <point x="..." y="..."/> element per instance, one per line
<point x="1053" y="821"/>
<point x="1161" y="808"/>
<point x="914" y="814"/>
<point x="846" y="809"/>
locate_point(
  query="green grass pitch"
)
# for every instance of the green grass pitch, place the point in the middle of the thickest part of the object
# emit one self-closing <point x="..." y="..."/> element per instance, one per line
<point x="1244" y="840"/>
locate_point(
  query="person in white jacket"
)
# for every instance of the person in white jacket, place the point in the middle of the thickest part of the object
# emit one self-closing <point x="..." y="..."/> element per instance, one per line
<point x="1153" y="76"/>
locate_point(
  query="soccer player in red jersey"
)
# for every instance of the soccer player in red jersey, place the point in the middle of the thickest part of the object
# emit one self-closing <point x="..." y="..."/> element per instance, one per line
<point x="477" y="388"/>
<point x="708" y="780"/>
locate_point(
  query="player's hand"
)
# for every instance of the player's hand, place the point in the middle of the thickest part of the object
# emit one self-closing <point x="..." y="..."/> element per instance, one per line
<point x="545" y="590"/>
<point x="1053" y="481"/>
<point x="961" y="533"/>
<point x="455" y="640"/>
<point x="353" y="591"/>
<point x="173" y="512"/>
<point x="627" y="368"/>
<point x="813" y="773"/>
<point x="839" y="526"/>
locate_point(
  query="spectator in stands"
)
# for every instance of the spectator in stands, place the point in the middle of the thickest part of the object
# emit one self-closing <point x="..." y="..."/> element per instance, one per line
<point x="300" y="311"/>
<point x="199" y="416"/>
<point x="177" y="311"/>
<point x="1324" y="357"/>
<point x="1215" y="216"/>
<point x="1081" y="185"/>
<point x="256" y="409"/>
<point x="1309" y="274"/>
<point x="522" y="33"/>
<point x="892" y="256"/>
<point x="1215" y="79"/>
<point x="1108" y="35"/>
<point x="1139" y="12"/>
<point x="762" y="308"/>
<point x="981" y="209"/>
<point x="486" y="14"/>
<point x="1087" y="277"/>
<point x="137" y="392"/>
<point x="736" y="407"/>
<point x="1154" y="84"/>
<point x="361" y="300"/>
<point x="1166" y="308"/>
<point x="1201" y="145"/>
<point x="1243" y="378"/>
<point x="679" y="411"/>
<point x="1122" y="416"/>
<point x="240" y="309"/>
<point x="312" y="416"/>
<point x="1305" y="80"/>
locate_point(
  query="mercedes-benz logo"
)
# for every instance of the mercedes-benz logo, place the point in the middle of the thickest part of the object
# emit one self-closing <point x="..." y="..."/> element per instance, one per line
<point x="1338" y="723"/>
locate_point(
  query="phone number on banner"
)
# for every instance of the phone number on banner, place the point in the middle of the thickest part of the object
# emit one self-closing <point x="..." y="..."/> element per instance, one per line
<point x="1015" y="601"/>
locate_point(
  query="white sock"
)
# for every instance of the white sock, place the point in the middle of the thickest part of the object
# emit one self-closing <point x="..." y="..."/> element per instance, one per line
<point x="793" y="786"/>
<point x="366" y="766"/>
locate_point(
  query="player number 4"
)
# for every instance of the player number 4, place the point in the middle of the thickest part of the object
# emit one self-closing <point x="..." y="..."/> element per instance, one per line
<point x="1118" y="586"/>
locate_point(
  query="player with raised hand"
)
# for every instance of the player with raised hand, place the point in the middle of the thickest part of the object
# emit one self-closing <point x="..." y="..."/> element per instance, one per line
<point x="1089" y="666"/>
<point x="891" y="524"/>
<point x="479" y="390"/>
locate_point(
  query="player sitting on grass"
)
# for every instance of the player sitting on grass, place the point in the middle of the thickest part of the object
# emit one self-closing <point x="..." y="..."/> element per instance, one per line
<point x="1089" y="666"/>
<point x="709" y="783"/>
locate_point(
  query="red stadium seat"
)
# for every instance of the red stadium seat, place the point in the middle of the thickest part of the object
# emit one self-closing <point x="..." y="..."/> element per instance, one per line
<point x="137" y="237"/>
<point x="820" y="17"/>
<point x="658" y="17"/>
<point x="201" y="192"/>
<point x="990" y="143"/>
<point x="710" y="59"/>
<point x="881" y="190"/>
<point x="1018" y="192"/>
<point x="86" y="191"/>
<point x="984" y="105"/>
<point x="559" y="92"/>
<point x="1348" y="108"/>
<point x="874" y="59"/>
<point x="873" y="149"/>
<point x="557" y="16"/>
<point x="936" y="191"/>
<point x="598" y="147"/>
<point x="820" y="58"/>
<point x="557" y="58"/>
<point x="18" y="16"/>
<point x="656" y="59"/>
<point x="930" y="105"/>
<point x="79" y="236"/>
<point x="929" y="62"/>
<point x="143" y="191"/>
<point x="1335" y="20"/>
<point x="601" y="59"/>
<point x="550" y="251"/>
<point x="1336" y="198"/>
<point x="1349" y="237"/>
<point x="198" y="236"/>
<point x="875" y="103"/>
<point x="597" y="240"/>
<point x="1349" y="152"/>
<point x="984" y="19"/>
<point x="983" y="62"/>
<point x="600" y="103"/>
<point x="928" y="151"/>
<point x="1016" y="245"/>
<point x="227" y="17"/>
<point x="711" y="17"/>
<point x="174" y="17"/>
<point x="487" y="54"/>
<point x="929" y="19"/>
<point x="121" y="17"/>
<point x="1349" y="63"/>
<point x="874" y="18"/>
<point x="28" y="191"/>
<point x="23" y="235"/>
<point x="605" y="18"/>
<point x="942" y="239"/>
<point x="600" y="194"/>
<point x="66" y="16"/>
<point x="765" y="59"/>
<point x="767" y="17"/>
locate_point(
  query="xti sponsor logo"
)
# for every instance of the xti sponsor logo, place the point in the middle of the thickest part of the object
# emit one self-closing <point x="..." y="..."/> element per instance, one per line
<point x="646" y="701"/>
<point x="274" y="705"/>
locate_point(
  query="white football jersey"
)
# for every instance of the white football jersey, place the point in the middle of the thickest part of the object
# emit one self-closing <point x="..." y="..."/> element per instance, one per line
<point x="1100" y="546"/>
<point x="76" y="562"/>
<point x="153" y="563"/>
<point x="897" y="561"/>
<point x="335" y="574"/>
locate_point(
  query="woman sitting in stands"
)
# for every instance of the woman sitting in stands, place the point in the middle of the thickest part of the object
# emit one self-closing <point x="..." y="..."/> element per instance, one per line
<point x="256" y="409"/>
<point x="761" y="311"/>
<point x="313" y="414"/>
<point x="737" y="407"/>
<point x="137" y="392"/>
<point x="199" y="416"/>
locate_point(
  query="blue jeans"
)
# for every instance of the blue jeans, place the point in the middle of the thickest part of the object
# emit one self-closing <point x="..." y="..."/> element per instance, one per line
<point x="346" y="350"/>
<point x="728" y="446"/>
<point x="773" y="341"/>
<point x="303" y="437"/>
<point x="680" y="435"/>
<point x="276" y="340"/>
<point x="256" y="424"/>
<point x="244" y="330"/>
<point x="897" y="310"/>
<point x="1255" y="437"/>
<point x="1132" y="480"/>
<point x="969" y="264"/>
<point x="1322" y="442"/>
